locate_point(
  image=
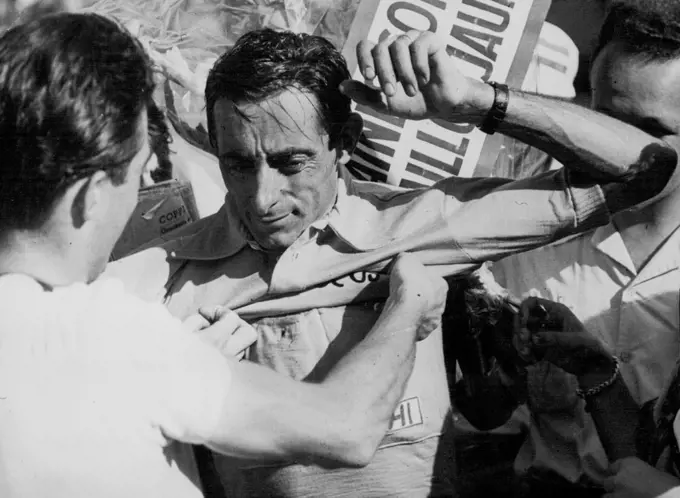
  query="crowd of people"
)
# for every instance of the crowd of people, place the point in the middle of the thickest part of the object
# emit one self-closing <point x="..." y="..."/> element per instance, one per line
<point x="309" y="338"/>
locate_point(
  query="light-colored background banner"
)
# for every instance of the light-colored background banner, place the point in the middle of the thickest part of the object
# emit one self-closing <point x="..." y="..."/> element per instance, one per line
<point x="490" y="39"/>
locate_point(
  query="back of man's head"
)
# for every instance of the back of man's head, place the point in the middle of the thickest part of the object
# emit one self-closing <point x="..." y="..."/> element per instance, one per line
<point x="649" y="29"/>
<point x="265" y="62"/>
<point x="72" y="89"/>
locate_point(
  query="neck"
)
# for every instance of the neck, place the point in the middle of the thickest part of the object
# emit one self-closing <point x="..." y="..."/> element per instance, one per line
<point x="34" y="254"/>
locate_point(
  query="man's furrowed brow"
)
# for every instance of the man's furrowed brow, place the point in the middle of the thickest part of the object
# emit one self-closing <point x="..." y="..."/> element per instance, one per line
<point x="292" y="151"/>
<point x="235" y="156"/>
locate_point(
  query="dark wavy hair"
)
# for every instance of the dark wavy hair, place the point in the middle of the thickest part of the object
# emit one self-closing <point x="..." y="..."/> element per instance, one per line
<point x="160" y="139"/>
<point x="649" y="28"/>
<point x="265" y="62"/>
<point x="72" y="89"/>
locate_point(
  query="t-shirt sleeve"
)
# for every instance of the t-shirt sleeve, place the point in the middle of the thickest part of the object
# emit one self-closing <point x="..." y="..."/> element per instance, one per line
<point x="183" y="381"/>
<point x="671" y="493"/>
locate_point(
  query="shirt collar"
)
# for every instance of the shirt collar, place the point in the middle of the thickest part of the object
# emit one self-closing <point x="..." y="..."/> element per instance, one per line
<point x="216" y="237"/>
<point x="607" y="240"/>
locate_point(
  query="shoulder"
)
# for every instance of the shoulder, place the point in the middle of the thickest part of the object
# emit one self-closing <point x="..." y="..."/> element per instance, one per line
<point x="143" y="274"/>
<point x="125" y="323"/>
<point x="146" y="272"/>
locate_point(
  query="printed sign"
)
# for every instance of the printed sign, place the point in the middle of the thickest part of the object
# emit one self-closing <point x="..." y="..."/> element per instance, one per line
<point x="490" y="39"/>
<point x="161" y="209"/>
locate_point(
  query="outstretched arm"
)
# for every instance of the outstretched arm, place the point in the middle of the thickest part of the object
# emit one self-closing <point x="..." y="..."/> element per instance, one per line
<point x="262" y="415"/>
<point x="419" y="80"/>
<point x="630" y="165"/>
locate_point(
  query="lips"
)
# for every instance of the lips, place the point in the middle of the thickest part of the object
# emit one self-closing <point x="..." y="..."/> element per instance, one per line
<point x="271" y="220"/>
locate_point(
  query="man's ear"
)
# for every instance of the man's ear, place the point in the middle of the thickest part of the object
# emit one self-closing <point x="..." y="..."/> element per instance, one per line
<point x="88" y="198"/>
<point x="349" y="136"/>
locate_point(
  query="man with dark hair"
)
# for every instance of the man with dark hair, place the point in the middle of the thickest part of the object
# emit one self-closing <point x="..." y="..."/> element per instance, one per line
<point x="99" y="389"/>
<point x="622" y="279"/>
<point x="300" y="249"/>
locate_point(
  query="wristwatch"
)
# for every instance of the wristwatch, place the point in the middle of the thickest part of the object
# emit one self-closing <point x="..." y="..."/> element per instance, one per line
<point x="498" y="110"/>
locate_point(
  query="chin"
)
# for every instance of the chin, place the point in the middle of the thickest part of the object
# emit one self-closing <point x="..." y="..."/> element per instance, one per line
<point x="274" y="245"/>
<point x="278" y="240"/>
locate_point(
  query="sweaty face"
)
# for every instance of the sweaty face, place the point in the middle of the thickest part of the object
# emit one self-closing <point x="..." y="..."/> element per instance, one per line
<point x="643" y="93"/>
<point x="277" y="164"/>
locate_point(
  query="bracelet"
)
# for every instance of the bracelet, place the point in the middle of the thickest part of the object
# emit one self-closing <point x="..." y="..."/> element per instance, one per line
<point x="594" y="391"/>
<point x="496" y="115"/>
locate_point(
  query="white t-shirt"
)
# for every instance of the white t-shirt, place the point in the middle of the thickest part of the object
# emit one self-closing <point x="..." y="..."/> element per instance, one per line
<point x="96" y="389"/>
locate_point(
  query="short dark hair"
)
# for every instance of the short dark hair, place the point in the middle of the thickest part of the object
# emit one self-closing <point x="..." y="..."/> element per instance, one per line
<point x="72" y="90"/>
<point x="649" y="28"/>
<point x="265" y="62"/>
<point x="160" y="139"/>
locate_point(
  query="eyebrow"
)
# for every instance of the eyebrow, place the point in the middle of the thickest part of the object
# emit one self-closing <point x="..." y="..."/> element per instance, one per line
<point x="278" y="155"/>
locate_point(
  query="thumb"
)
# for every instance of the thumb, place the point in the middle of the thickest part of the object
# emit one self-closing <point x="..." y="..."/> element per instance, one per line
<point x="244" y="337"/>
<point x="194" y="323"/>
<point x="615" y="467"/>
<point x="213" y="313"/>
<point x="363" y="94"/>
<point x="563" y="340"/>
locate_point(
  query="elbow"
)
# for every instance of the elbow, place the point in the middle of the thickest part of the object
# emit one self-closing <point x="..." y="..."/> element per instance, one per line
<point x="652" y="177"/>
<point x="355" y="446"/>
<point x="358" y="454"/>
<point x="660" y="173"/>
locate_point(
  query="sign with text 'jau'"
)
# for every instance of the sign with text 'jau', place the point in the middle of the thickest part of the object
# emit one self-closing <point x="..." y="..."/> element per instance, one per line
<point x="489" y="39"/>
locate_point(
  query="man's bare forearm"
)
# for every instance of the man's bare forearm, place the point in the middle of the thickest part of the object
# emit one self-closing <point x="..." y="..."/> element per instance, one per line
<point x="374" y="374"/>
<point x="631" y="165"/>
<point x="614" y="412"/>
<point x="338" y="421"/>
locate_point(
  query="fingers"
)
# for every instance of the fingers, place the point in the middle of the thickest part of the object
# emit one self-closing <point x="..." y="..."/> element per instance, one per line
<point x="194" y="323"/>
<point x="215" y="313"/>
<point x="364" y="94"/>
<point x="537" y="313"/>
<point x="406" y="59"/>
<point x="244" y="337"/>
<point x="566" y="341"/>
<point x="615" y="468"/>
<point x="609" y="484"/>
<point x="406" y="266"/>
<point x="422" y="49"/>
<point x="365" y="59"/>
<point x="230" y="334"/>
<point x="521" y="340"/>
<point x="382" y="61"/>
<point x="400" y="54"/>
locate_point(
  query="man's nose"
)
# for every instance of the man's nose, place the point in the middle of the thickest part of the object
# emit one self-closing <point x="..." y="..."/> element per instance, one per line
<point x="267" y="189"/>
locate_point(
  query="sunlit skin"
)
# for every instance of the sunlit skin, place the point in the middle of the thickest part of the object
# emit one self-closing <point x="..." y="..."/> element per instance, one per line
<point x="278" y="164"/>
<point x="643" y="93"/>
<point x="638" y="91"/>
